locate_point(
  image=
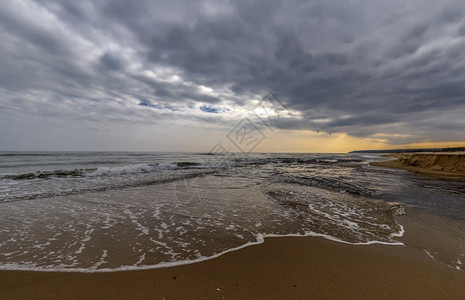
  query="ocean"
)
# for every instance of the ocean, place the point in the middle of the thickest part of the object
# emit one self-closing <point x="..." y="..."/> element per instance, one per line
<point x="113" y="211"/>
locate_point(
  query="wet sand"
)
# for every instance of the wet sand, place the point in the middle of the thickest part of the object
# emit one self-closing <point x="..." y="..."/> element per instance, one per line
<point x="281" y="268"/>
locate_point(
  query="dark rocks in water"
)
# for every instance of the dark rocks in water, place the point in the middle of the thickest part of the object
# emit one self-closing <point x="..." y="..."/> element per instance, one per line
<point x="186" y="164"/>
<point x="24" y="176"/>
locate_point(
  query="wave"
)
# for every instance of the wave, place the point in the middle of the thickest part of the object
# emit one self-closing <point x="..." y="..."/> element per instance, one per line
<point x="148" y="167"/>
<point x="110" y="186"/>
<point x="342" y="216"/>
<point x="103" y="171"/>
<point x="304" y="161"/>
<point x="331" y="184"/>
<point x="47" y="174"/>
<point x="27" y="154"/>
<point x="130" y="169"/>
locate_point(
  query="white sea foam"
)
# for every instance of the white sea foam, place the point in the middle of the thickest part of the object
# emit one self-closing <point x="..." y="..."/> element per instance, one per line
<point x="166" y="166"/>
<point x="260" y="239"/>
<point x="132" y="169"/>
<point x="398" y="234"/>
<point x="330" y="160"/>
<point x="150" y="228"/>
<point x="157" y="229"/>
<point x="101" y="171"/>
<point x="102" y="259"/>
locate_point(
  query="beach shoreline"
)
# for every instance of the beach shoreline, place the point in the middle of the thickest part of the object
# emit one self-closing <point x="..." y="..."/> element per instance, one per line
<point x="428" y="267"/>
<point x="287" y="267"/>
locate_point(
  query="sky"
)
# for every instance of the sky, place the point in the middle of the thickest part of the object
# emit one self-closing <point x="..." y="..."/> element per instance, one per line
<point x="189" y="75"/>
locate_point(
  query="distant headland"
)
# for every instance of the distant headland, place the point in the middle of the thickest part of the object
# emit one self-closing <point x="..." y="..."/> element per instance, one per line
<point x="447" y="149"/>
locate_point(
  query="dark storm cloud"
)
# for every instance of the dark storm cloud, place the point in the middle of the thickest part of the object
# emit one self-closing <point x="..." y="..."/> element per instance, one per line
<point x="111" y="62"/>
<point x="383" y="68"/>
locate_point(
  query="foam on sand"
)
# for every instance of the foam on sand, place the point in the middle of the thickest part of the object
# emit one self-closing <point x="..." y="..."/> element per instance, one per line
<point x="156" y="226"/>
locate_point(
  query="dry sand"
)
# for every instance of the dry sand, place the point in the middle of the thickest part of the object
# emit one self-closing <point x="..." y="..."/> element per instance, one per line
<point x="436" y="164"/>
<point x="281" y="268"/>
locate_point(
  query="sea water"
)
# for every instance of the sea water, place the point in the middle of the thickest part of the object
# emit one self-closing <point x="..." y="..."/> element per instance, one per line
<point x="109" y="211"/>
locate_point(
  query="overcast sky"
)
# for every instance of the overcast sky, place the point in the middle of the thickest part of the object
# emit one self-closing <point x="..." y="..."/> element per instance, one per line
<point x="179" y="75"/>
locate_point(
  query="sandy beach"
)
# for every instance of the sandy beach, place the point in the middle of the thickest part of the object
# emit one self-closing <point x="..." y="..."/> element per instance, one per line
<point x="281" y="268"/>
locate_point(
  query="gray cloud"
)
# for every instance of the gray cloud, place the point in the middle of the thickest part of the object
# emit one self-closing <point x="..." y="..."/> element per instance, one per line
<point x="377" y="68"/>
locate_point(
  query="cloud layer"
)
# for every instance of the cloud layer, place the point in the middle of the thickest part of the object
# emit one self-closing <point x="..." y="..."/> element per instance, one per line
<point x="388" y="70"/>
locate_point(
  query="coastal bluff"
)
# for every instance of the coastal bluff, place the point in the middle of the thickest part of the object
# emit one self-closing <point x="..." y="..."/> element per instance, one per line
<point x="432" y="163"/>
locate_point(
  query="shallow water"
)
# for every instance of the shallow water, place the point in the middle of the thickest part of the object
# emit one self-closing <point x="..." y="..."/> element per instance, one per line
<point x="116" y="211"/>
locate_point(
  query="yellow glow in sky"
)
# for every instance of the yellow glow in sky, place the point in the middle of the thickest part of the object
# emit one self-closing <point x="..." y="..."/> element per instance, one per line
<point x="311" y="141"/>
